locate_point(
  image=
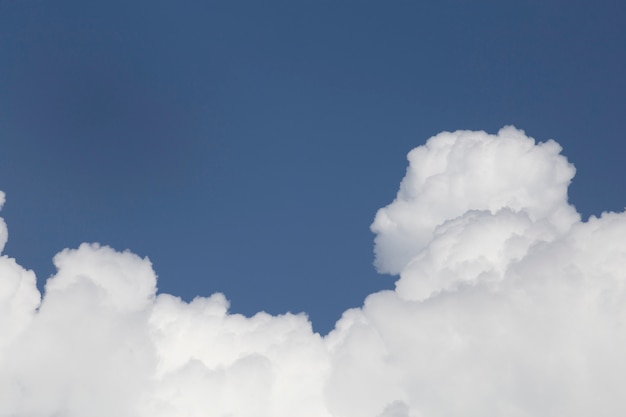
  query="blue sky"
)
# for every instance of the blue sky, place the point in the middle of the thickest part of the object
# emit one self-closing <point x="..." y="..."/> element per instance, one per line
<point x="245" y="147"/>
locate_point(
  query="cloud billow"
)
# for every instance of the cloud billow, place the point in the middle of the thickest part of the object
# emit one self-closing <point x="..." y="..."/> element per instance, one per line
<point x="506" y="304"/>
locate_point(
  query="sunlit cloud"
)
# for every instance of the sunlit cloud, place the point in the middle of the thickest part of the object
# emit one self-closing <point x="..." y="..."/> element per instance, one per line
<point x="507" y="304"/>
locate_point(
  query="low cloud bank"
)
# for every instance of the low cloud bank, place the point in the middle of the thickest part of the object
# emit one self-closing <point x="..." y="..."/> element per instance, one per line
<point x="506" y="305"/>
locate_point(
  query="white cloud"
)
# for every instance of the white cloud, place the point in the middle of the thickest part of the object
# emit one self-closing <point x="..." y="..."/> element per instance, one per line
<point x="464" y="170"/>
<point x="507" y="304"/>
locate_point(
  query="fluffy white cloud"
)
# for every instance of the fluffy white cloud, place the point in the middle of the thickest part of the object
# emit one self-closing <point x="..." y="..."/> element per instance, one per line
<point x="507" y="304"/>
<point x="465" y="170"/>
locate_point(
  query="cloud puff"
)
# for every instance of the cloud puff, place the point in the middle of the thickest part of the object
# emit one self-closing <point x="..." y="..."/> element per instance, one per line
<point x="506" y="304"/>
<point x="455" y="172"/>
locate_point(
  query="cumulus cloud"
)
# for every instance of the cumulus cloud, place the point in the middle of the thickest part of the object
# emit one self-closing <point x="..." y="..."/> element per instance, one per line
<point x="506" y="304"/>
<point x="456" y="172"/>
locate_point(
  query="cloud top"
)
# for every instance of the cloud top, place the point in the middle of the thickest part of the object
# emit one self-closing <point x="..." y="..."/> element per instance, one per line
<point x="455" y="172"/>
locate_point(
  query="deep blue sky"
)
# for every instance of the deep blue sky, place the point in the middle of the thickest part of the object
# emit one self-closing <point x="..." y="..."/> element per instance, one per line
<point x="246" y="146"/>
